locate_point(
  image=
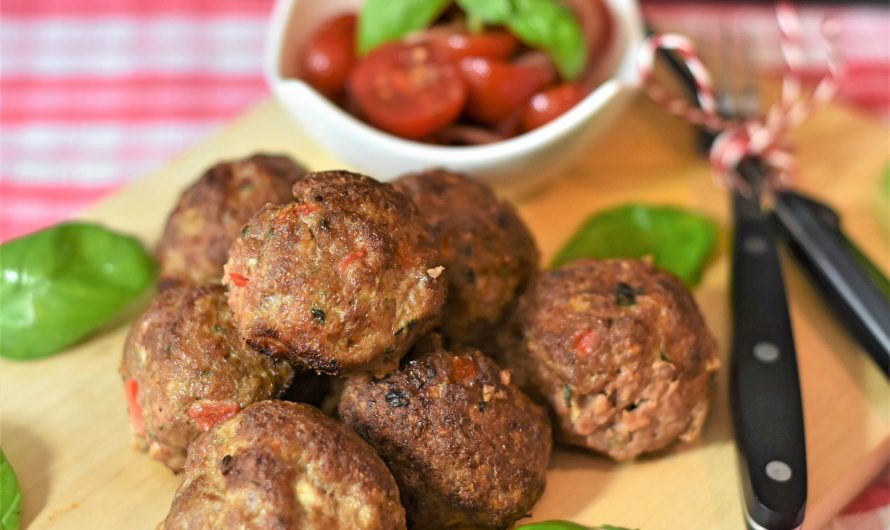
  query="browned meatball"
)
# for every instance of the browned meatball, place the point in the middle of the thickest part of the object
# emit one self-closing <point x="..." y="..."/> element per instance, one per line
<point x="343" y="279"/>
<point x="211" y="212"/>
<point x="488" y="253"/>
<point x="621" y="353"/>
<point x="282" y="465"/>
<point x="466" y="447"/>
<point x="185" y="368"/>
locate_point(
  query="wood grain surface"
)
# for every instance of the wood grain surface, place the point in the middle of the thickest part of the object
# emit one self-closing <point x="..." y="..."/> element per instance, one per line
<point x="63" y="421"/>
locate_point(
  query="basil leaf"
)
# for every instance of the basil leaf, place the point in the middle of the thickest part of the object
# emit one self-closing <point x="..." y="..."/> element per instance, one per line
<point x="566" y="525"/>
<point x="680" y="241"/>
<point x="10" y="496"/>
<point x="493" y="12"/>
<point x="553" y="28"/>
<point x="544" y="24"/>
<point x="382" y="21"/>
<point x="61" y="283"/>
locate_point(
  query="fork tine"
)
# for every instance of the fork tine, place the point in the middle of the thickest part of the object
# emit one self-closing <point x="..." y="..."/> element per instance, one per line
<point x="737" y="86"/>
<point x="750" y="92"/>
<point x="726" y="104"/>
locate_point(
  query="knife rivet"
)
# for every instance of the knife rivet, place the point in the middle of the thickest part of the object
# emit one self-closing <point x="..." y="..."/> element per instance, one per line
<point x="766" y="352"/>
<point x="755" y="245"/>
<point x="778" y="471"/>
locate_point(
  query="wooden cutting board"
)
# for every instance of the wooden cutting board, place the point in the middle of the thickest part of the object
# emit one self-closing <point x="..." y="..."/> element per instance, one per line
<point x="64" y="421"/>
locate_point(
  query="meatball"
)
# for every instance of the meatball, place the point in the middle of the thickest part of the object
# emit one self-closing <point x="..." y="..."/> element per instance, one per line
<point x="211" y="212"/>
<point x="344" y="279"/>
<point x="621" y="353"/>
<point x="466" y="446"/>
<point x="185" y="368"/>
<point x="282" y="465"/>
<point x="488" y="253"/>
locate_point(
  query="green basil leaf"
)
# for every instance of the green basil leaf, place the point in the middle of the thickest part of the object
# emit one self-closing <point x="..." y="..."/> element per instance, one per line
<point x="679" y="241"/>
<point x="382" y="21"/>
<point x="61" y="283"/>
<point x="566" y="525"/>
<point x="10" y="496"/>
<point x="493" y="12"/>
<point x="553" y="28"/>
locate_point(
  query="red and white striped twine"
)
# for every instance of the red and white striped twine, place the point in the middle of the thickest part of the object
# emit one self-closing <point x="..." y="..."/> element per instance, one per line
<point x="753" y="136"/>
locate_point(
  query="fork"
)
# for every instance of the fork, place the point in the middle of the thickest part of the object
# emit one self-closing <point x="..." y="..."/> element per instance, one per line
<point x="764" y="382"/>
<point x="853" y="287"/>
<point x="765" y="386"/>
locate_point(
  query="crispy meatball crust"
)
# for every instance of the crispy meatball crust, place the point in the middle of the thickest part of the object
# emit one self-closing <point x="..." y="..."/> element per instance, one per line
<point x="189" y="368"/>
<point x="282" y="465"/>
<point x="344" y="279"/>
<point x="210" y="214"/>
<point x="621" y="353"/>
<point x="488" y="253"/>
<point x="466" y="446"/>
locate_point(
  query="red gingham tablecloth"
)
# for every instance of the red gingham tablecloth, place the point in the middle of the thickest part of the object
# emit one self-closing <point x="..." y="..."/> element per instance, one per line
<point x="95" y="93"/>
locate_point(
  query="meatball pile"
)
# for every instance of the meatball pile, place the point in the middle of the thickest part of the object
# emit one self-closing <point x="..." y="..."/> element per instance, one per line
<point x="273" y="276"/>
<point x="619" y="351"/>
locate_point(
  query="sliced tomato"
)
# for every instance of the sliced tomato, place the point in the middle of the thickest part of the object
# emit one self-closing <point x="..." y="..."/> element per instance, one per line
<point x="550" y="104"/>
<point x="458" y="45"/>
<point x="411" y="90"/>
<point x="497" y="88"/>
<point x="207" y="413"/>
<point x="137" y="421"/>
<point x="328" y="57"/>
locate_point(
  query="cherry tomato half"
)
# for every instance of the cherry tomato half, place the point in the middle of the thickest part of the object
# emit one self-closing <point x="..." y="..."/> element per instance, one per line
<point x="494" y="44"/>
<point x="498" y="88"/>
<point x="410" y="90"/>
<point x="329" y="56"/>
<point x="550" y="104"/>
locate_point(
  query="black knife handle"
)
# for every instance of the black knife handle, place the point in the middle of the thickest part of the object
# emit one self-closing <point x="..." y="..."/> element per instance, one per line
<point x="851" y="285"/>
<point x="764" y="384"/>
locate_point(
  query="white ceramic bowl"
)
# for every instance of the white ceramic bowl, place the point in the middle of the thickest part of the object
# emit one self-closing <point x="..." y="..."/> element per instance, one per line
<point x="513" y="165"/>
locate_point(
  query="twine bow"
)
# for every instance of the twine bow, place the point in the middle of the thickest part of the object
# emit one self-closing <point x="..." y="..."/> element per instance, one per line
<point x="762" y="136"/>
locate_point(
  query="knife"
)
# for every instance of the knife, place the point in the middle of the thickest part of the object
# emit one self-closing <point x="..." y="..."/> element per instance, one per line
<point x="855" y="289"/>
<point x="764" y="383"/>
